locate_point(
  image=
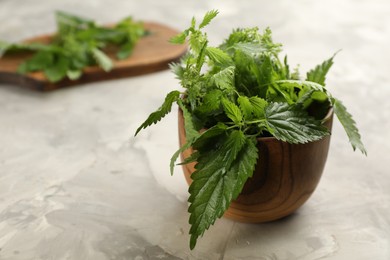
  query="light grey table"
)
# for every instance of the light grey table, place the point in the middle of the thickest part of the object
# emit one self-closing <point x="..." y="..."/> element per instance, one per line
<point x="75" y="184"/>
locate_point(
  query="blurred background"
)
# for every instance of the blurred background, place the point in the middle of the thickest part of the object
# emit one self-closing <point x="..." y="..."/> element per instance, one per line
<point x="75" y="184"/>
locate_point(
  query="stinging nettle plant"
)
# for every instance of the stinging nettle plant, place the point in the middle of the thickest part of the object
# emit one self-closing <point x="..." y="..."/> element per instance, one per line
<point x="235" y="93"/>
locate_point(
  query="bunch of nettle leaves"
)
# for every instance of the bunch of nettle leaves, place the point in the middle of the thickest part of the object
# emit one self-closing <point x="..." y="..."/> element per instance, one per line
<point x="77" y="44"/>
<point x="237" y="92"/>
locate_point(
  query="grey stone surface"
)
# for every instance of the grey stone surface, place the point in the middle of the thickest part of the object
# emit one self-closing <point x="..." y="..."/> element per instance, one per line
<point x="75" y="184"/>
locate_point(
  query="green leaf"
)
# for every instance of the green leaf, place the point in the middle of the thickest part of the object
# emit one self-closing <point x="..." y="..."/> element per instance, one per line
<point x="102" y="59"/>
<point x="232" y="111"/>
<point x="219" y="178"/>
<point x="245" y="106"/>
<point x="219" y="57"/>
<point x="57" y="70"/>
<point x="208" y="138"/>
<point x="177" y="154"/>
<point x="243" y="167"/>
<point x="249" y="48"/>
<point x="349" y="125"/>
<point x="190" y="159"/>
<point x="12" y="47"/>
<point x="211" y="104"/>
<point x="224" y="79"/>
<point x="39" y="61"/>
<point x="177" y="69"/>
<point x="179" y="38"/>
<point x="74" y="74"/>
<point x="300" y="84"/>
<point x="290" y="124"/>
<point x="125" y="51"/>
<point x="305" y="99"/>
<point x="162" y="111"/>
<point x="210" y="15"/>
<point x="318" y="74"/>
<point x="259" y="106"/>
<point x="191" y="132"/>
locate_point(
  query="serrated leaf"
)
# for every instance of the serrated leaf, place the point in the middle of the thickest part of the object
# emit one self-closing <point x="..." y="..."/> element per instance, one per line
<point x="179" y="38"/>
<point x="292" y="125"/>
<point x="245" y="106"/>
<point x="211" y="103"/>
<point x="259" y="106"/>
<point x="242" y="168"/>
<point x="202" y="143"/>
<point x="177" y="69"/>
<point x="219" y="57"/>
<point x="318" y="74"/>
<point x="349" y="125"/>
<point x="177" y="154"/>
<point x="305" y="99"/>
<point x="190" y="159"/>
<point x="224" y="79"/>
<point x="249" y="48"/>
<point x="210" y="15"/>
<point x="162" y="111"/>
<point x="300" y="84"/>
<point x="283" y="93"/>
<point x="191" y="132"/>
<point x="232" y="111"/>
<point x="214" y="182"/>
<point x="102" y="59"/>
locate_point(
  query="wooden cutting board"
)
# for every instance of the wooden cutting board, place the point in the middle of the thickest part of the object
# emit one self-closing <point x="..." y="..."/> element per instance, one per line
<point x="152" y="53"/>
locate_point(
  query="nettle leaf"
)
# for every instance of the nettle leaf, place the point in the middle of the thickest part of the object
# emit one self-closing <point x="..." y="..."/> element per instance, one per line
<point x="74" y="74"/>
<point x="207" y="138"/>
<point x="210" y="15"/>
<point x="58" y="70"/>
<point x="180" y="38"/>
<point x="293" y="125"/>
<point x="224" y="79"/>
<point x="190" y="159"/>
<point x="245" y="106"/>
<point x="162" y="111"/>
<point x="259" y="106"/>
<point x="249" y="48"/>
<point x="305" y="99"/>
<point x="219" y="57"/>
<point x="11" y="47"/>
<point x="191" y="132"/>
<point x="232" y="146"/>
<point x="176" y="155"/>
<point x="349" y="125"/>
<point x="242" y="168"/>
<point x="211" y="103"/>
<point x="102" y="59"/>
<point x="232" y="111"/>
<point x="125" y="51"/>
<point x="177" y="69"/>
<point x="318" y="74"/>
<point x="38" y="61"/>
<point x="300" y="84"/>
<point x="215" y="181"/>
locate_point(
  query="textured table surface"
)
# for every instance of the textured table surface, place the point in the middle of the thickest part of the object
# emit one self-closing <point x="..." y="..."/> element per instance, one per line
<point x="75" y="184"/>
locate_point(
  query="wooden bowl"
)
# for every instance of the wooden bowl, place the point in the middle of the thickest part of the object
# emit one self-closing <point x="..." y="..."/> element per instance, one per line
<point x="285" y="177"/>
